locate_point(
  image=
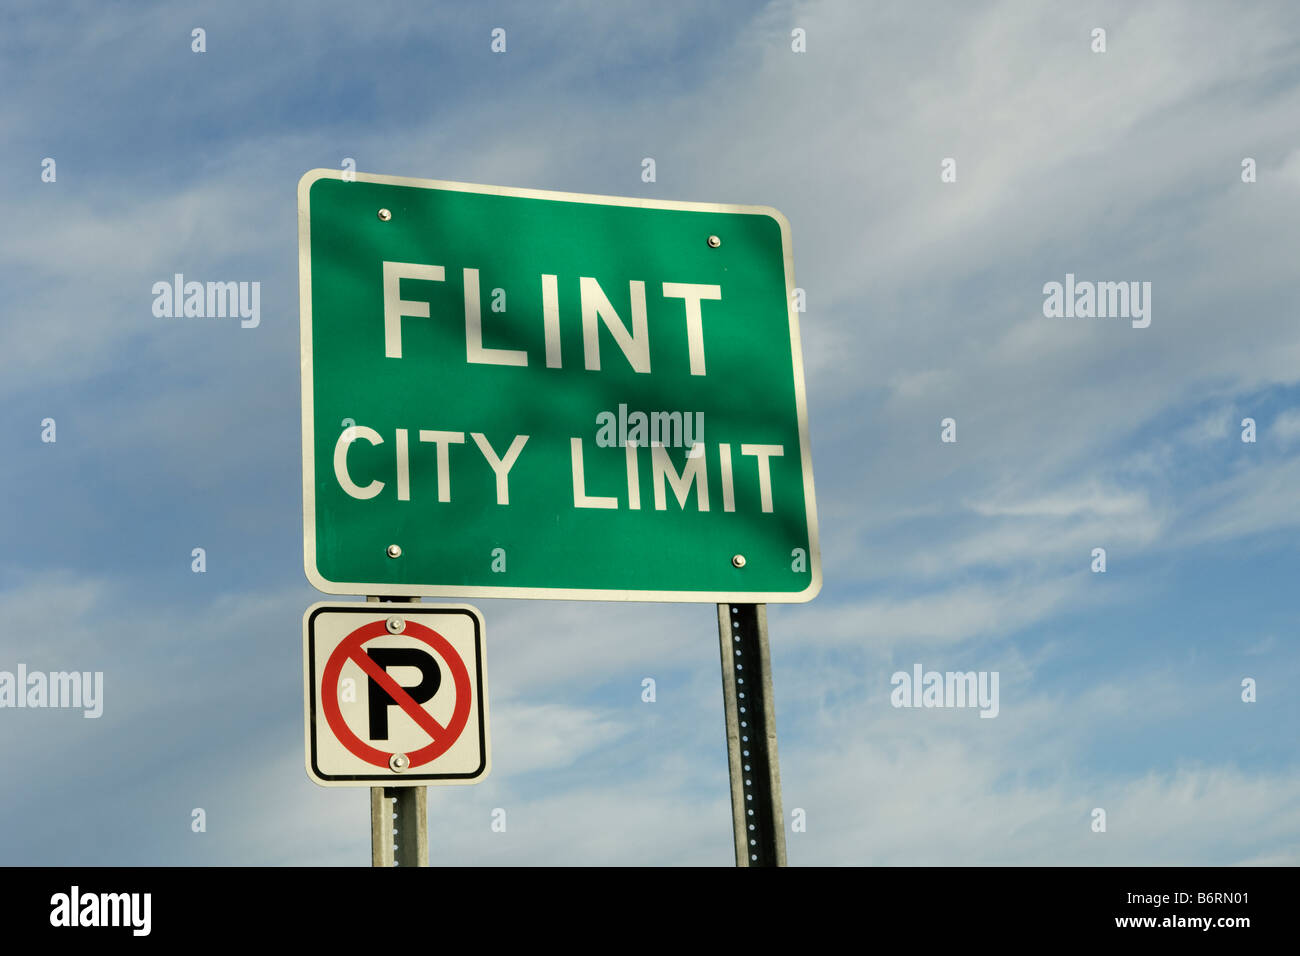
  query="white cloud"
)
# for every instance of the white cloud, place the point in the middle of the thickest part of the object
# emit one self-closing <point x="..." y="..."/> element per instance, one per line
<point x="964" y="613"/>
<point x="1285" y="428"/>
<point x="549" y="736"/>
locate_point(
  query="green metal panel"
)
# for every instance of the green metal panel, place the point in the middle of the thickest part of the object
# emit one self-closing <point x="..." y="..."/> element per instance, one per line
<point x="751" y="392"/>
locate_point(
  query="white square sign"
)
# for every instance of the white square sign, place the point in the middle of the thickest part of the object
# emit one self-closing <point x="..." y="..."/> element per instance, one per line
<point x="396" y="694"/>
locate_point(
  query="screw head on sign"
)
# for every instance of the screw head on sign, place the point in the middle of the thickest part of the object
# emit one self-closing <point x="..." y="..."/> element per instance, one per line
<point x="394" y="551"/>
<point x="399" y="762"/>
<point x="714" y="242"/>
<point x="738" y="560"/>
<point x="385" y="215"/>
<point x="395" y="625"/>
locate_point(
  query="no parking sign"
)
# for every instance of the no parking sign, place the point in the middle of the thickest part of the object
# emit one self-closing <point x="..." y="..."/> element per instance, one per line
<point x="396" y="694"/>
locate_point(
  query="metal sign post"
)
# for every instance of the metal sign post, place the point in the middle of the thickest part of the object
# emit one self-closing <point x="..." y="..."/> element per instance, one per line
<point x="756" y="812"/>
<point x="750" y="710"/>
<point x="399" y="832"/>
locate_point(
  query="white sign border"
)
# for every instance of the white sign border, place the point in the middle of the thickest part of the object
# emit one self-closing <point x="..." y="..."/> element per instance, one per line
<point x="319" y="582"/>
<point x="414" y="779"/>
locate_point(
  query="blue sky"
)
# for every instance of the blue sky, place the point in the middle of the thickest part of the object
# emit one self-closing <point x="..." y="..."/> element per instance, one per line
<point x="924" y="300"/>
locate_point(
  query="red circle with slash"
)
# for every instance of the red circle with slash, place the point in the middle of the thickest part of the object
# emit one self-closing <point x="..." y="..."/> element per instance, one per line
<point x="349" y="649"/>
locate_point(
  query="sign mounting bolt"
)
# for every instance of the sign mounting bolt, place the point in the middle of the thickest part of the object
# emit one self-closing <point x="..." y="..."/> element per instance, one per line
<point x="714" y="242"/>
<point x="394" y="550"/>
<point x="738" y="560"/>
<point x="385" y="215"/>
<point x="395" y="625"/>
<point x="399" y="762"/>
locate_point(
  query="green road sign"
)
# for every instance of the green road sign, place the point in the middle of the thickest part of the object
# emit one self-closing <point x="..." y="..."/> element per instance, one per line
<point x="517" y="393"/>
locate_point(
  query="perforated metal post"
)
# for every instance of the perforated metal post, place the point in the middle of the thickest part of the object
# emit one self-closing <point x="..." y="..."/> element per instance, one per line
<point x="751" y="735"/>
<point x="399" y="834"/>
<point x="399" y="818"/>
<point x="381" y="827"/>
